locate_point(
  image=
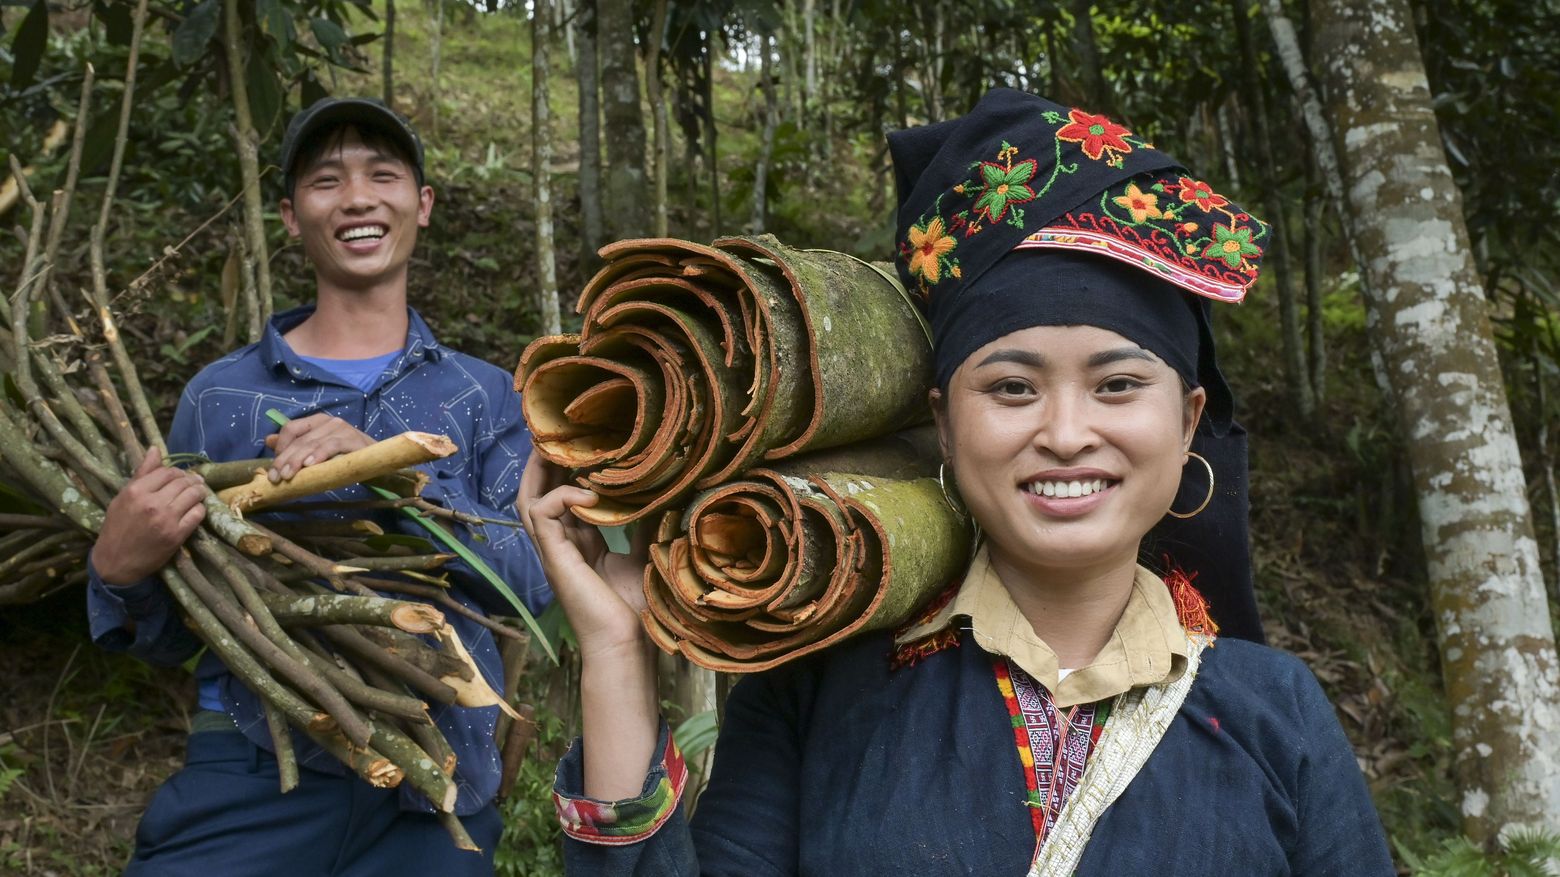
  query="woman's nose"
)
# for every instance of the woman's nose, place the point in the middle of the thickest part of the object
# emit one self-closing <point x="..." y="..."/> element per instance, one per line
<point x="1065" y="429"/>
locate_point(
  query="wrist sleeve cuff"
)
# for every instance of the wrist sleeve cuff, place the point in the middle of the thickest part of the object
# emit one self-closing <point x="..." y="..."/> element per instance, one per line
<point x="618" y="823"/>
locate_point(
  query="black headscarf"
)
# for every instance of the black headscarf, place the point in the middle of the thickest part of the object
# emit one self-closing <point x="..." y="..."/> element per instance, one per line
<point x="1027" y="213"/>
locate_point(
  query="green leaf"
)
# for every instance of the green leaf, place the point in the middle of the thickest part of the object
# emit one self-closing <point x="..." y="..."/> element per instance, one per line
<point x="696" y="734"/>
<point x="275" y="21"/>
<point x="191" y="37"/>
<point x="265" y="94"/>
<point x="28" y="45"/>
<point x="329" y="33"/>
<point x="385" y="542"/>
<point x="460" y="550"/>
<point x="311" y="90"/>
<point x="116" y="21"/>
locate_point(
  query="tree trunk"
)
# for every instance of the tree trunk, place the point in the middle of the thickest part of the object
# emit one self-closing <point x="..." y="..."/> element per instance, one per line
<point x="436" y="42"/>
<point x="711" y="134"/>
<point x="541" y="160"/>
<point x="931" y="72"/>
<point x="766" y="82"/>
<point x="1315" y="209"/>
<point x="1091" y="75"/>
<point x="586" y="73"/>
<point x="1295" y="374"/>
<point x="628" y="196"/>
<point x="1325" y="156"/>
<point x="387" y="65"/>
<point x="248" y="158"/>
<point x="1487" y="591"/>
<point x="810" y="53"/>
<point x="654" y="87"/>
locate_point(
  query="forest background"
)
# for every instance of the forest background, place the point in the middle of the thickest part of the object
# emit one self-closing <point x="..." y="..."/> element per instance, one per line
<point x="699" y="117"/>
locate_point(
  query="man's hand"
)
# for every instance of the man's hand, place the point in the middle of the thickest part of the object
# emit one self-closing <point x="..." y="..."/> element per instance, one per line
<point x="146" y="523"/>
<point x="309" y="440"/>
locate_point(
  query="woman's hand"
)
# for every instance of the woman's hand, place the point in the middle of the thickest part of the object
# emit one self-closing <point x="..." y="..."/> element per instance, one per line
<point x="602" y="593"/>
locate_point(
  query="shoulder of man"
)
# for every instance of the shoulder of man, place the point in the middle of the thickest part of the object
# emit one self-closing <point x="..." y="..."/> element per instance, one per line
<point x="238" y="368"/>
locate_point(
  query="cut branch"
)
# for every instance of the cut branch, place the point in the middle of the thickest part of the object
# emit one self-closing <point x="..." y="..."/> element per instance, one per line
<point x="381" y="458"/>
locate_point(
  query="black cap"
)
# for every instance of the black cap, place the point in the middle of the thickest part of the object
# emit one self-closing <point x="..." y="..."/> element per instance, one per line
<point x="360" y="111"/>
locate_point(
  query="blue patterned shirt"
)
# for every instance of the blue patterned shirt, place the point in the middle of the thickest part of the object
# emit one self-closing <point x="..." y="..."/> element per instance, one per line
<point x="427" y="387"/>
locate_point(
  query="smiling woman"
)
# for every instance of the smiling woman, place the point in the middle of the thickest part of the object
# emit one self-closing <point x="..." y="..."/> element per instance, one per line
<point x="1061" y="709"/>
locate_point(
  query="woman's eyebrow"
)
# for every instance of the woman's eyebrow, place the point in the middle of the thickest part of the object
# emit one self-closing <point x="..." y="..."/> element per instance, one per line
<point x="1022" y="357"/>
<point x="1107" y="357"/>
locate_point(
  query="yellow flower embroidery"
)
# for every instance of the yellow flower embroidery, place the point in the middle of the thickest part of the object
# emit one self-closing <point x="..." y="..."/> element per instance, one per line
<point x="1142" y="205"/>
<point x="928" y="246"/>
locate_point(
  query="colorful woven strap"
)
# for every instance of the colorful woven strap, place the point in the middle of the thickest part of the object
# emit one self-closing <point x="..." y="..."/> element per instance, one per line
<point x="619" y="823"/>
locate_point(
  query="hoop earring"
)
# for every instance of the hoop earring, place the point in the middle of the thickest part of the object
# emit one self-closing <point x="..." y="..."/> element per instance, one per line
<point x="957" y="504"/>
<point x="1207" y="499"/>
<point x="960" y="509"/>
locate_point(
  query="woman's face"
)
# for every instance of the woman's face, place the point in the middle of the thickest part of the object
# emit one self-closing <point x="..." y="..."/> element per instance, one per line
<point x="1067" y="443"/>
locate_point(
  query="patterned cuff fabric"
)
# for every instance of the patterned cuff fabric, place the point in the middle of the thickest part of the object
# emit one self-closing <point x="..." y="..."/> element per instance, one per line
<point x="619" y="823"/>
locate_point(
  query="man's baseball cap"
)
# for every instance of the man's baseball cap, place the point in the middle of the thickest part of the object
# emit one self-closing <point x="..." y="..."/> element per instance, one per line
<point x="363" y="112"/>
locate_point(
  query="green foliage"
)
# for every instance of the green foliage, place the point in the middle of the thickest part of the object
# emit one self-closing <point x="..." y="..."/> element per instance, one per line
<point x="696" y="734"/>
<point x="1522" y="854"/>
<point x="530" y="845"/>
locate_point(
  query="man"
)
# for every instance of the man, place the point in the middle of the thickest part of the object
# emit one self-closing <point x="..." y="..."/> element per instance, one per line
<point x="357" y="366"/>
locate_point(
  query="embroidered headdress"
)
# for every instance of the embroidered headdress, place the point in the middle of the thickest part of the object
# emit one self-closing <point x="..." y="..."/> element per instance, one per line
<point x="1026" y="213"/>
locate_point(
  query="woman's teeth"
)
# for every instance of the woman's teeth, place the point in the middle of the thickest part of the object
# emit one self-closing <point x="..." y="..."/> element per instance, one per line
<point x="1066" y="488"/>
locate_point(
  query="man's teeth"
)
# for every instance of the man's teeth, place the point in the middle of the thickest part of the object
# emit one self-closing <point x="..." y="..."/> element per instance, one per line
<point x="363" y="231"/>
<point x="1066" y="488"/>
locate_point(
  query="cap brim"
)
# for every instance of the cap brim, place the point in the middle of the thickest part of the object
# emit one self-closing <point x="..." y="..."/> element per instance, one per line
<point x="352" y="111"/>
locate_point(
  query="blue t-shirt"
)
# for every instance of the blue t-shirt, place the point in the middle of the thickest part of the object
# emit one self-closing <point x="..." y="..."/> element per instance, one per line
<point x="360" y="373"/>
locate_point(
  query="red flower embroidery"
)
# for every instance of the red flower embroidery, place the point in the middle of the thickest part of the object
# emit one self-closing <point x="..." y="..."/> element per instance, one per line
<point x="1099" y="136"/>
<point x="1200" y="193"/>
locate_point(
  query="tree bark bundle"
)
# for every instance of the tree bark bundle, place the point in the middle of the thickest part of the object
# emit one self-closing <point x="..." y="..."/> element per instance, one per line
<point x="696" y="363"/>
<point x="792" y="558"/>
<point x="328" y="655"/>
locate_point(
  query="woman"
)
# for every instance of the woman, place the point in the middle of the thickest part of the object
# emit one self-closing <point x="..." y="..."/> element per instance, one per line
<point x="1060" y="710"/>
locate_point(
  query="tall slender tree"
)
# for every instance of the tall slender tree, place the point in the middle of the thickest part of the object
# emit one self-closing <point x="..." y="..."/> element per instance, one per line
<point x="587" y="77"/>
<point x="1296" y="377"/>
<point x="387" y="56"/>
<point x="627" y="195"/>
<point x="766" y="82"/>
<point x="541" y="160"/>
<point x="1497" y="643"/>
<point x="655" y="91"/>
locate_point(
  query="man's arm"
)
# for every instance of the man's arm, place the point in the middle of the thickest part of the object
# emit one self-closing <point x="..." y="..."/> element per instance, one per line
<point x="128" y="609"/>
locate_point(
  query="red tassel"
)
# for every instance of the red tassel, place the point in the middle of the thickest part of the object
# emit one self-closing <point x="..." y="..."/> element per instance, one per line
<point x="1190" y="605"/>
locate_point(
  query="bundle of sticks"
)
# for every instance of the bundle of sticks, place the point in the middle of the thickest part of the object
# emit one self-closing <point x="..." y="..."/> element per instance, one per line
<point x="764" y="408"/>
<point x="339" y="627"/>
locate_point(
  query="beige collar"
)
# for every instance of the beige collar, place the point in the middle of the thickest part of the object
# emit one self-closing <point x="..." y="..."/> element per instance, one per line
<point x="1147" y="647"/>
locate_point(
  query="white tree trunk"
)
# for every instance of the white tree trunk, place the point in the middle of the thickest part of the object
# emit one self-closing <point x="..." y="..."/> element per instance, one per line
<point x="541" y="159"/>
<point x="1433" y="328"/>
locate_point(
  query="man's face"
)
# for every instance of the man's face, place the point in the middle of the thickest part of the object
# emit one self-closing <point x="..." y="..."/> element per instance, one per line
<point x="357" y="210"/>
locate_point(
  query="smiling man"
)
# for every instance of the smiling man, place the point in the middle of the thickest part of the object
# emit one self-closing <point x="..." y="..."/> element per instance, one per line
<point x="356" y="366"/>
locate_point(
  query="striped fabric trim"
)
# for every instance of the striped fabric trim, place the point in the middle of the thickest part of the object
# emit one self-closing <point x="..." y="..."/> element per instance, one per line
<point x="1115" y="248"/>
<point x="620" y="823"/>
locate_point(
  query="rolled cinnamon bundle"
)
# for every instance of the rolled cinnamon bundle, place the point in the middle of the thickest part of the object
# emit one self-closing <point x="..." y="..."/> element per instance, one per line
<point x="792" y="558"/>
<point x="697" y="362"/>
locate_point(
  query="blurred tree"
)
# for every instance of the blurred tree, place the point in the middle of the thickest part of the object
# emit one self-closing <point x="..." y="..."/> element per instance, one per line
<point x="1497" y="644"/>
<point x="541" y="170"/>
<point x="627" y="195"/>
